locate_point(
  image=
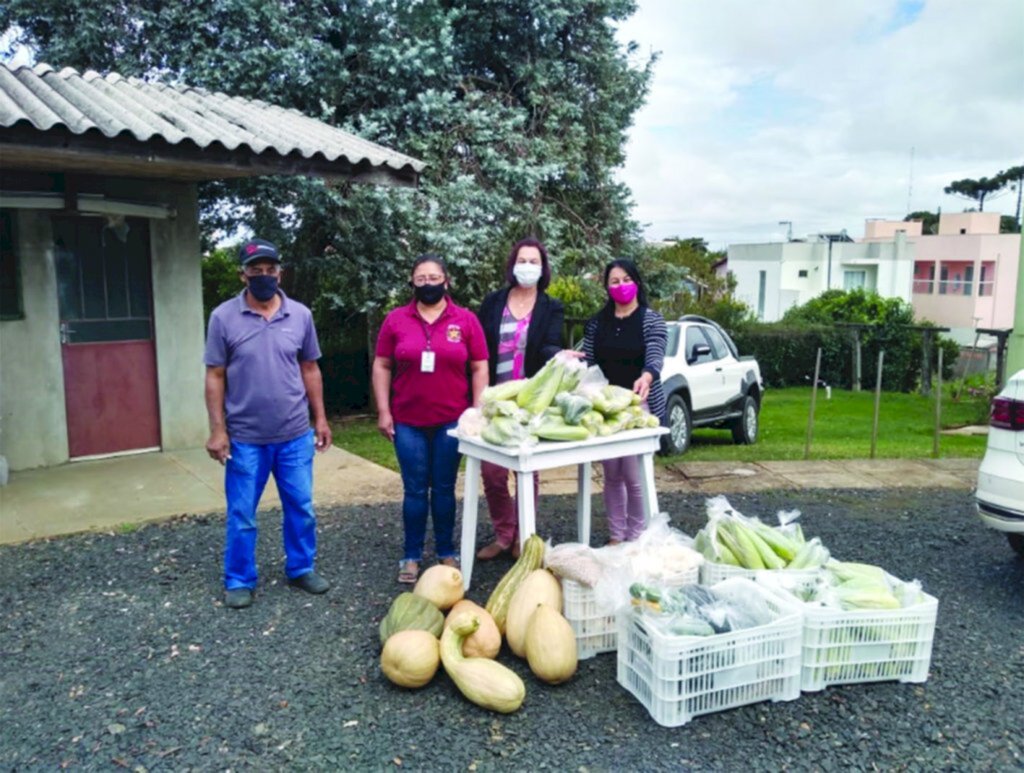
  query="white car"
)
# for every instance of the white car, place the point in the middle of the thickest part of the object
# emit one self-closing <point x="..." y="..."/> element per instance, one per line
<point x="1000" y="493"/>
<point x="708" y="384"/>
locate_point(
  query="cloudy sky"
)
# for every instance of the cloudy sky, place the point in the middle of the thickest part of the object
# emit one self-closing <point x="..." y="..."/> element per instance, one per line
<point x="820" y="112"/>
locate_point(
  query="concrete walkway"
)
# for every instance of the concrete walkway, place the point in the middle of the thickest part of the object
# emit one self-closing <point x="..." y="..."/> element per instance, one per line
<point x="125" y="491"/>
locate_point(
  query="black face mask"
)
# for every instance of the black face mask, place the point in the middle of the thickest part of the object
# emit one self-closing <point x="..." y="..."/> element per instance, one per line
<point x="429" y="294"/>
<point x="263" y="287"/>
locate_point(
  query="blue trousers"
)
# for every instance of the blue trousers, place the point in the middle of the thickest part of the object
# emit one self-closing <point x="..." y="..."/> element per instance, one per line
<point x="245" y="477"/>
<point x="429" y="461"/>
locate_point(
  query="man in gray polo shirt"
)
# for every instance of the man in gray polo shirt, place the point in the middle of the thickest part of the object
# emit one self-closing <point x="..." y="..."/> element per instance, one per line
<point x="262" y="378"/>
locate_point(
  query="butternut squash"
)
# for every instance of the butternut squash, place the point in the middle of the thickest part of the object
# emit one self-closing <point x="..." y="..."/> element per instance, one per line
<point x="483" y="681"/>
<point x="440" y="585"/>
<point x="530" y="559"/>
<point x="410" y="658"/>
<point x="485" y="641"/>
<point x="539" y="587"/>
<point x="551" y="646"/>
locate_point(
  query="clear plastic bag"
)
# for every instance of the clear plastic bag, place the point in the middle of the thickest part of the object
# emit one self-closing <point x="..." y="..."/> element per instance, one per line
<point x="506" y="431"/>
<point x="471" y="423"/>
<point x="591" y="383"/>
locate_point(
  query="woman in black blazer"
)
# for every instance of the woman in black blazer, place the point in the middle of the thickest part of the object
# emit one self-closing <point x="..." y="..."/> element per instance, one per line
<point x="523" y="328"/>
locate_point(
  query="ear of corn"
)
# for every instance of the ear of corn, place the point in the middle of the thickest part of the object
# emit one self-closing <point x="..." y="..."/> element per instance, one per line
<point x="540" y="390"/>
<point x="551" y="430"/>
<point x="505" y="391"/>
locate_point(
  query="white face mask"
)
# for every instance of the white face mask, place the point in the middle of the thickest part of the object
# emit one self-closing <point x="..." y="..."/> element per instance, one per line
<point x="527" y="274"/>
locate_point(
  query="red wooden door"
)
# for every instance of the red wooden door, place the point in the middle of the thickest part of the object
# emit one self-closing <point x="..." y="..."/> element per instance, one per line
<point x="105" y="298"/>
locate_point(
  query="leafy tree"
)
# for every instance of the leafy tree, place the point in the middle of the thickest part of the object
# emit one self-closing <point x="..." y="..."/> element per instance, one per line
<point x="929" y="221"/>
<point x="983" y="187"/>
<point x="1014" y="177"/>
<point x="220" y="278"/>
<point x="520" y="109"/>
<point x="694" y="286"/>
<point x="886" y="322"/>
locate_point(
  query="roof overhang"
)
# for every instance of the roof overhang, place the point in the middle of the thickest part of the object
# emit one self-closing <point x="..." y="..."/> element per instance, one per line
<point x="59" y="150"/>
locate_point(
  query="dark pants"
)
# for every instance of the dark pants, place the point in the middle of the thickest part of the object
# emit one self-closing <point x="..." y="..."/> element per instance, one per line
<point x="429" y="461"/>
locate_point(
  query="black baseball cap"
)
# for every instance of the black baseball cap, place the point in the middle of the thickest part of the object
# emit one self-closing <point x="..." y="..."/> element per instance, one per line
<point x="258" y="249"/>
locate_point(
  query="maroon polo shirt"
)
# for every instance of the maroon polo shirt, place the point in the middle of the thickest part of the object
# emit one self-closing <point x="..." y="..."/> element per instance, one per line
<point x="428" y="399"/>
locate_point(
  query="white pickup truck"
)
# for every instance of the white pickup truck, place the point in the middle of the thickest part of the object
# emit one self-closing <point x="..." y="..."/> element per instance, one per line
<point x="707" y="384"/>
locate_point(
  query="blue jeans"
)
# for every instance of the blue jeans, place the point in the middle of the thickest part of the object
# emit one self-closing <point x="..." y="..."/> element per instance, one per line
<point x="245" y="477"/>
<point x="429" y="461"/>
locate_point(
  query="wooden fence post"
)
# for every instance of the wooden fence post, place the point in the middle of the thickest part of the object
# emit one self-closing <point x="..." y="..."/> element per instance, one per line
<point x="938" y="407"/>
<point x="878" y="401"/>
<point x="814" y="399"/>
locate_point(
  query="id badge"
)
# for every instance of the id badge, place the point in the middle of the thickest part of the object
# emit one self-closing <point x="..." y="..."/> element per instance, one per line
<point x="427" y="362"/>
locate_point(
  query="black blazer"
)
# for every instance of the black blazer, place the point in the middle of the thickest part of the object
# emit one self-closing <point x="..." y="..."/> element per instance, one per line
<point x="543" y="339"/>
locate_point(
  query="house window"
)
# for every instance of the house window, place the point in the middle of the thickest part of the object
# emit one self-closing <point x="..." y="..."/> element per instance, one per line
<point x="924" y="277"/>
<point x="10" y="269"/>
<point x="943" y="280"/>
<point x="802" y="273"/>
<point x="987" y="280"/>
<point x="968" y="279"/>
<point x="853" y="280"/>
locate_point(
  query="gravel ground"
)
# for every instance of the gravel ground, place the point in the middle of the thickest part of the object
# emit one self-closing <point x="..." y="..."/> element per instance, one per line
<point x="117" y="653"/>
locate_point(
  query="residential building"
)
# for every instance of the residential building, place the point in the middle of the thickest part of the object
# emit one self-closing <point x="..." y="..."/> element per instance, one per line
<point x="965" y="276"/>
<point x="775" y="276"/>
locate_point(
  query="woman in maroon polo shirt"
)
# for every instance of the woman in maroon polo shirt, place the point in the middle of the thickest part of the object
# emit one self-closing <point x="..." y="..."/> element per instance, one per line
<point x="421" y="387"/>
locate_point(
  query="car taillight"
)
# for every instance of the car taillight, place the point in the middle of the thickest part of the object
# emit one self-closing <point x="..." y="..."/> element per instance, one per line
<point x="1007" y="414"/>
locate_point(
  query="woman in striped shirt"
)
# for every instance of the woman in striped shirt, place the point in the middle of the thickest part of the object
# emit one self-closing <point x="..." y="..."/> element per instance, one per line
<point x="523" y="328"/>
<point x="626" y="339"/>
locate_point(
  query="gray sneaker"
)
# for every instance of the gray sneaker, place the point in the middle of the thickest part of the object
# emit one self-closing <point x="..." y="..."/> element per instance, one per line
<point x="238" y="598"/>
<point x="311" y="582"/>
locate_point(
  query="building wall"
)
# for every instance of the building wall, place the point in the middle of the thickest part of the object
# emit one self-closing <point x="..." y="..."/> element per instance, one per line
<point x="888" y="266"/>
<point x="178" y="320"/>
<point x="955" y="250"/>
<point x="962" y="223"/>
<point x="887" y="229"/>
<point x="33" y="424"/>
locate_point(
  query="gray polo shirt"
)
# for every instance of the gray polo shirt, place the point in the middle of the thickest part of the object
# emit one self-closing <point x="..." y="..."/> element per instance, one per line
<point x="266" y="399"/>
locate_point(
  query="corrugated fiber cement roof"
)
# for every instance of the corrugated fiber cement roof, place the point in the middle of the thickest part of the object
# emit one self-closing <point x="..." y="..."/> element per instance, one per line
<point x="45" y="99"/>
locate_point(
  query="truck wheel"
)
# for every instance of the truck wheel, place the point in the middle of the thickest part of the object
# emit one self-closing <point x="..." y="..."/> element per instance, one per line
<point x="1016" y="542"/>
<point x="679" y="425"/>
<point x="744" y="428"/>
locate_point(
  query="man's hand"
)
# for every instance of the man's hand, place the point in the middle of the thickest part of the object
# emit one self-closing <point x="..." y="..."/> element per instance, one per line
<point x="322" y="430"/>
<point x="219" y="446"/>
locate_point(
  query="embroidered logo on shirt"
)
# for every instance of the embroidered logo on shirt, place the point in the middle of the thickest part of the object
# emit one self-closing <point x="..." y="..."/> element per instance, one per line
<point x="454" y="334"/>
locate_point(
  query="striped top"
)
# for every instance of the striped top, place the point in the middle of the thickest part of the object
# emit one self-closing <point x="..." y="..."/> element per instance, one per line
<point x="654" y="339"/>
<point x="511" y="347"/>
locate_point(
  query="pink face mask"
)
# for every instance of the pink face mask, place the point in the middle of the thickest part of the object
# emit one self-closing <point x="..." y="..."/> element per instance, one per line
<point x="624" y="293"/>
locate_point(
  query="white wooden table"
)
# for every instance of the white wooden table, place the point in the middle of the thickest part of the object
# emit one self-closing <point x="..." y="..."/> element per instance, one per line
<point x="543" y="456"/>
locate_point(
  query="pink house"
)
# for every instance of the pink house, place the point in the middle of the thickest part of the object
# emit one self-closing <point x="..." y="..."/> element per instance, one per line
<point x="965" y="277"/>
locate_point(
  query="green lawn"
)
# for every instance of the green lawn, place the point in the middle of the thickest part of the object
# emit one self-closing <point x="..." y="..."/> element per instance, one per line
<point x="842" y="430"/>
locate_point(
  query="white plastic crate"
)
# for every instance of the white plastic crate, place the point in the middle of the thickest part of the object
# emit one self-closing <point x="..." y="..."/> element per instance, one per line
<point x="680" y="677"/>
<point x="711" y="573"/>
<point x="597" y="632"/>
<point x="867" y="645"/>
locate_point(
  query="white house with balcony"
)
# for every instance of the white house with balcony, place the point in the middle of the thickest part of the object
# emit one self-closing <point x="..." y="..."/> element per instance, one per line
<point x="773" y="277"/>
<point x="965" y="276"/>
